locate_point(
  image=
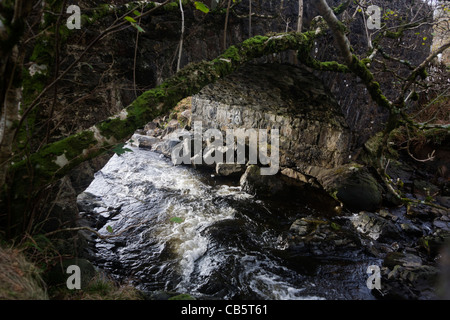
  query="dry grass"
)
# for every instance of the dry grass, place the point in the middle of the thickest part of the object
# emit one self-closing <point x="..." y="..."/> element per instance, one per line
<point x="19" y="278"/>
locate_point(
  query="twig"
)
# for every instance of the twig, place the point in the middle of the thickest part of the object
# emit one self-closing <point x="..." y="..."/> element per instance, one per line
<point x="135" y="57"/>
<point x="226" y="26"/>
<point x="180" y="52"/>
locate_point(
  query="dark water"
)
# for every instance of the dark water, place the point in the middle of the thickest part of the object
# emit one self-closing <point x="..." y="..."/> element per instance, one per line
<point x="184" y="231"/>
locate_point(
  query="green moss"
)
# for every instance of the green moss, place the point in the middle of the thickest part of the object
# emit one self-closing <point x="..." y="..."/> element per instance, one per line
<point x="44" y="165"/>
<point x="32" y="86"/>
<point x="423" y="73"/>
<point x="394" y="35"/>
<point x="232" y="53"/>
<point x="333" y="66"/>
<point x="304" y="56"/>
<point x="72" y="146"/>
<point x="116" y="128"/>
<point x="254" y="42"/>
<point x="341" y="8"/>
<point x="171" y="6"/>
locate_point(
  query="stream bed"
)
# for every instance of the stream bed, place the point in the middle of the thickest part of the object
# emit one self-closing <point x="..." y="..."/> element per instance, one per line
<point x="188" y="231"/>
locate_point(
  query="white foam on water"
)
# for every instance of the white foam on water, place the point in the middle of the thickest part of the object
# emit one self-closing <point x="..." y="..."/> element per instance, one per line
<point x="135" y="179"/>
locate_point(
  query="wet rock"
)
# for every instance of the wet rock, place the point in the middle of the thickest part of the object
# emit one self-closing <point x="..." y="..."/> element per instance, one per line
<point x="375" y="227"/>
<point x="147" y="142"/>
<point x="227" y="169"/>
<point x="166" y="146"/>
<point x="441" y="224"/>
<point x="87" y="202"/>
<point x="411" y="229"/>
<point x="318" y="237"/>
<point x="409" y="282"/>
<point x="432" y="244"/>
<point x="360" y="191"/>
<point x="298" y="176"/>
<point x="443" y="201"/>
<point x="351" y="184"/>
<point x="387" y="215"/>
<point x="83" y="175"/>
<point x="150" y="126"/>
<point x="94" y="212"/>
<point x="424" y="211"/>
<point x="406" y="276"/>
<point x="403" y="259"/>
<point x="253" y="182"/>
<point x="424" y="188"/>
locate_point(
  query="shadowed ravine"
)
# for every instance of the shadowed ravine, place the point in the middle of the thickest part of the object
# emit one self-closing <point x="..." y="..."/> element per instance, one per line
<point x="189" y="232"/>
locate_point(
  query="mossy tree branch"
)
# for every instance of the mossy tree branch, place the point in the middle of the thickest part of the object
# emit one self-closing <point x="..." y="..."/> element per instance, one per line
<point x="55" y="160"/>
<point x="397" y="114"/>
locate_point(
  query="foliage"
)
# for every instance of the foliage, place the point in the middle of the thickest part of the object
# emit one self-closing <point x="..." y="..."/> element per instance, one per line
<point x="134" y="23"/>
<point x="119" y="149"/>
<point x="201" y="6"/>
<point x="19" y="278"/>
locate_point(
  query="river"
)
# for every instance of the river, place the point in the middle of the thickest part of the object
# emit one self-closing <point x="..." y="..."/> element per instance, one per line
<point x="188" y="231"/>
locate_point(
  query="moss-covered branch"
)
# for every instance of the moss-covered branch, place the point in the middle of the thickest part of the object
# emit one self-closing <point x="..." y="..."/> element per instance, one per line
<point x="57" y="159"/>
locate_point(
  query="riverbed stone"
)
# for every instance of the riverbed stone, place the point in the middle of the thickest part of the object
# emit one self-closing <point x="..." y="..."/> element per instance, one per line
<point x="253" y="182"/>
<point x="317" y="236"/>
<point x="352" y="184"/>
<point x="403" y="259"/>
<point x="144" y="141"/>
<point x="424" y="188"/>
<point x="410" y="283"/>
<point x="228" y="169"/>
<point x="375" y="227"/>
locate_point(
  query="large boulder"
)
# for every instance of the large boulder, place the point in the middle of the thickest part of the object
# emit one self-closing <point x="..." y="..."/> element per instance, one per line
<point x="253" y="182"/>
<point x="351" y="184"/>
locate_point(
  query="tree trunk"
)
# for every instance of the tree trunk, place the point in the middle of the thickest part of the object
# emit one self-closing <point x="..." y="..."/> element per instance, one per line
<point x="11" y="61"/>
<point x="299" y="25"/>
<point x="225" y="29"/>
<point x="300" y="16"/>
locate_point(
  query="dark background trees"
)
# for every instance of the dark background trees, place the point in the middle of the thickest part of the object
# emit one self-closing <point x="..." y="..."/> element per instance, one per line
<point x="69" y="80"/>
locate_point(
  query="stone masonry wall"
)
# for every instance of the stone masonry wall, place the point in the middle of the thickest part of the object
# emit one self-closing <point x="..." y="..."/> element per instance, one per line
<point x="284" y="97"/>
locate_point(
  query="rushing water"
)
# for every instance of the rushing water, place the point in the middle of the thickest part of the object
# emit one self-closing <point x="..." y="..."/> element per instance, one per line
<point x="182" y="230"/>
